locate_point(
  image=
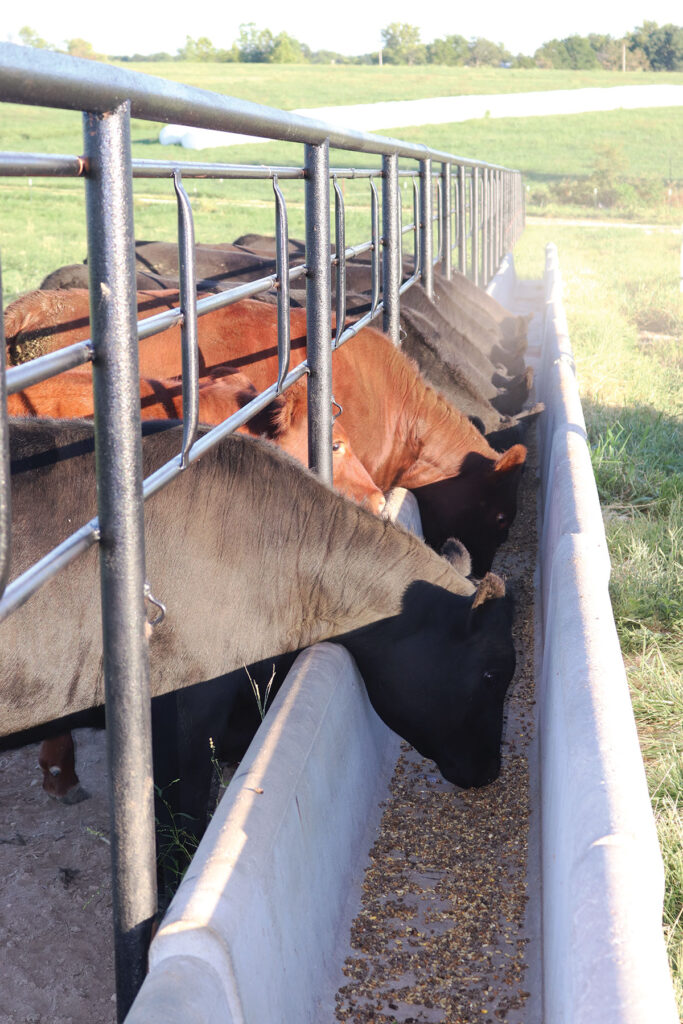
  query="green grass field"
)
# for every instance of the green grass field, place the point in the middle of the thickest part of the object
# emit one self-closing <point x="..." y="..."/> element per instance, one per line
<point x="634" y="158"/>
<point x="621" y="294"/>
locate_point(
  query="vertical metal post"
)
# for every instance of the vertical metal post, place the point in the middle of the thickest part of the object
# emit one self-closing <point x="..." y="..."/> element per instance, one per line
<point x="494" y="222"/>
<point x="476" y="221"/>
<point x="426" y="226"/>
<point x="505" y="202"/>
<point x="470" y="233"/>
<point x="109" y="213"/>
<point x="446" y="245"/>
<point x="5" y="496"/>
<point x="493" y="211"/>
<point x="318" y="311"/>
<point x="499" y="218"/>
<point x="485" y="226"/>
<point x="462" y="221"/>
<point x="438" y="219"/>
<point x="520" y="206"/>
<point x="391" y="239"/>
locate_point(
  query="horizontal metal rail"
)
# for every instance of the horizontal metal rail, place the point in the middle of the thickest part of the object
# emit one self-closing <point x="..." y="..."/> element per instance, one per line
<point x="41" y="78"/>
<point x="40" y="165"/>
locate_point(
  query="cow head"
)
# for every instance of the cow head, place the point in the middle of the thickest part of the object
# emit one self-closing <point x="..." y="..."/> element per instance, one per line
<point x="442" y="685"/>
<point x="477" y="506"/>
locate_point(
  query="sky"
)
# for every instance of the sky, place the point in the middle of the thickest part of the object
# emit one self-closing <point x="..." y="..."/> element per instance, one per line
<point x="353" y="27"/>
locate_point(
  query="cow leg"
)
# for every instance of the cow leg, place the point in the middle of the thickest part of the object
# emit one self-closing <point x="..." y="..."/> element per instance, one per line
<point x="57" y="761"/>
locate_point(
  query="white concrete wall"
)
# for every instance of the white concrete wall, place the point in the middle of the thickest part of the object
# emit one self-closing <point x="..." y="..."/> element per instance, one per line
<point x="503" y="284"/>
<point x="250" y="934"/>
<point x="604" y="955"/>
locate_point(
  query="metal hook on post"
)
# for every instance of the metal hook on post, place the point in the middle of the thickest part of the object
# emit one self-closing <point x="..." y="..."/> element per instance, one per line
<point x="340" y="246"/>
<point x="282" y="272"/>
<point x="151" y="599"/>
<point x="188" y="327"/>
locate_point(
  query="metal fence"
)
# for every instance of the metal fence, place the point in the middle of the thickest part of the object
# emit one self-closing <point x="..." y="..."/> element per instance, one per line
<point x="477" y="209"/>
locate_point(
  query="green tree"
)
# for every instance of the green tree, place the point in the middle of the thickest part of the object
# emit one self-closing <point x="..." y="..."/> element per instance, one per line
<point x="255" y="45"/>
<point x="286" y="50"/>
<point x="401" y="44"/>
<point x="523" y="60"/>
<point x="29" y="37"/>
<point x="663" y="46"/>
<point x="580" y="53"/>
<point x="451" y="50"/>
<point x="482" y="52"/>
<point x="551" y="55"/>
<point x="230" y="56"/>
<point x="82" y="48"/>
<point x="201" y="49"/>
<point x="574" y="53"/>
<point x="606" y="50"/>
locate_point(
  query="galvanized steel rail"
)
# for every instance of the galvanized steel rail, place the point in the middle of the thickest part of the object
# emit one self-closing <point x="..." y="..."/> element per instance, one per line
<point x="478" y="209"/>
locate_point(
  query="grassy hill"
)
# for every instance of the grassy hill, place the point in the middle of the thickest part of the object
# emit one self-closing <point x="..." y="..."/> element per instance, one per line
<point x="623" y="164"/>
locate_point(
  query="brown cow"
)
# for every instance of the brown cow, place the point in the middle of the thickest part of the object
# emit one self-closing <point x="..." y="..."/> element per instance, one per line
<point x="222" y="393"/>
<point x="404" y="433"/>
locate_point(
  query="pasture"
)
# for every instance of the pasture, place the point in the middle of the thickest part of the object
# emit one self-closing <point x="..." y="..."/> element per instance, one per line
<point x="43" y="222"/>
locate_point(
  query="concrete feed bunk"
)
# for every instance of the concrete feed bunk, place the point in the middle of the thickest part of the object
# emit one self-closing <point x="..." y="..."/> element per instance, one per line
<point x="252" y="934"/>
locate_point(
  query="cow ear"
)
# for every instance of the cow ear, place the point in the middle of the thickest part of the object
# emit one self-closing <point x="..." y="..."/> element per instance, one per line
<point x="295" y="403"/>
<point x="511" y="461"/>
<point x="490" y="588"/>
<point x="455" y="552"/>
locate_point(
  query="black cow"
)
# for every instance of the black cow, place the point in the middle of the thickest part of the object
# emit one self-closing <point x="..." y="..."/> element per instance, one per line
<point x="255" y="559"/>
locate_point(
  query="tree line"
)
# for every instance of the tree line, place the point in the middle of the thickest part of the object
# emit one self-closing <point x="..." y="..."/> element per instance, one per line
<point x="649" y="47"/>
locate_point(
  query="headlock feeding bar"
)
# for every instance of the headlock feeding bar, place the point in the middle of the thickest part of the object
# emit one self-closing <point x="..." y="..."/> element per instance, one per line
<point x="478" y="209"/>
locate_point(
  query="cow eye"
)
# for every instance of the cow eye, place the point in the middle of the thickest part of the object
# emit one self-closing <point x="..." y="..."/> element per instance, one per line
<point x="338" y="447"/>
<point x="501" y="520"/>
<point x="489" y="677"/>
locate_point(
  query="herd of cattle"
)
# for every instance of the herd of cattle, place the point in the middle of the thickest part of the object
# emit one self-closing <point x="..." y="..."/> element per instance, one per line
<point x="253" y="557"/>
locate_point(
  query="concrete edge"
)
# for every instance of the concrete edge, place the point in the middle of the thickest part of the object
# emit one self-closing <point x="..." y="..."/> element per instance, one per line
<point x="402" y="508"/>
<point x="503" y="284"/>
<point x="604" y="952"/>
<point x="268" y="882"/>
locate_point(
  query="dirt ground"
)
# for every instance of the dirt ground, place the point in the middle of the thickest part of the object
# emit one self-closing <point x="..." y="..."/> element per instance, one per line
<point x="55" y="894"/>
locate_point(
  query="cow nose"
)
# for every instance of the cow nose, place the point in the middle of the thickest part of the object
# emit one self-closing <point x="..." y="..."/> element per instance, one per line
<point x="376" y="503"/>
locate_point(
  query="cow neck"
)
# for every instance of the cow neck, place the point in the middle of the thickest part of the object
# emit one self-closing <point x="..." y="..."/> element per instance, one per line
<point x="405" y="433"/>
<point x="443" y="438"/>
<point x="305" y="564"/>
